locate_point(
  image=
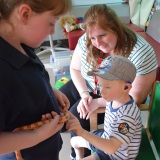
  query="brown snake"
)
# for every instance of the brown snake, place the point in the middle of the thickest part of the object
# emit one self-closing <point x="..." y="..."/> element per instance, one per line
<point x="62" y="119"/>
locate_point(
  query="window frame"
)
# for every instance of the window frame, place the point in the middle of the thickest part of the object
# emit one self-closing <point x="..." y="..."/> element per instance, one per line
<point x="89" y="2"/>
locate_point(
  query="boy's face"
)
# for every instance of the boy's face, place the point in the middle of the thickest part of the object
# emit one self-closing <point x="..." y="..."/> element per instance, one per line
<point x="112" y="90"/>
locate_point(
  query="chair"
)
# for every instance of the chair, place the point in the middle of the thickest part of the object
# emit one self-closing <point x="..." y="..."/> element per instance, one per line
<point x="152" y="36"/>
<point x="153" y="127"/>
<point x="152" y="132"/>
<point x="93" y="117"/>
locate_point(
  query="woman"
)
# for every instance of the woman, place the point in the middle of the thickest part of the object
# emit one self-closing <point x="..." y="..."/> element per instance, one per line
<point x="105" y="36"/>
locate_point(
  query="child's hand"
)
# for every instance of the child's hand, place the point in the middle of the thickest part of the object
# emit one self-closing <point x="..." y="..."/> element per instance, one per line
<point x="39" y="131"/>
<point x="62" y="119"/>
<point x="50" y="128"/>
<point x="73" y="124"/>
<point x="62" y="99"/>
<point x="47" y="116"/>
<point x="64" y="116"/>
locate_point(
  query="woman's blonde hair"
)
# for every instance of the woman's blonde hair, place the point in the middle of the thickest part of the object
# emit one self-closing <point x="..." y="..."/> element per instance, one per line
<point x="107" y="19"/>
<point x="58" y="7"/>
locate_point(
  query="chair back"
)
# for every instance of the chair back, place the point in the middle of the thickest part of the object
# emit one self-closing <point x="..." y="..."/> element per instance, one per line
<point x="154" y="116"/>
<point x="154" y="25"/>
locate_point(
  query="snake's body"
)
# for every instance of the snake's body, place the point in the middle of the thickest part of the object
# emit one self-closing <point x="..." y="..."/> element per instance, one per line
<point x="32" y="126"/>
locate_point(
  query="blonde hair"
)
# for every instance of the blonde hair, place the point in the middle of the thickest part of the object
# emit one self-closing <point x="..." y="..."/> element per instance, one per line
<point x="107" y="19"/>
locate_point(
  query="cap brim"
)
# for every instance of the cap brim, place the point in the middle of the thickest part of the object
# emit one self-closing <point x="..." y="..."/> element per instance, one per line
<point x="91" y="73"/>
<point x="106" y="75"/>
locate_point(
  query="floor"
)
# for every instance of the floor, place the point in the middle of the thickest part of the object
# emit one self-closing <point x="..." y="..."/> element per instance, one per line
<point x="65" y="152"/>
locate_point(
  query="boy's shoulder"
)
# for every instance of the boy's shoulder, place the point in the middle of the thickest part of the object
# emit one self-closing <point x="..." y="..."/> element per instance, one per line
<point x="131" y="110"/>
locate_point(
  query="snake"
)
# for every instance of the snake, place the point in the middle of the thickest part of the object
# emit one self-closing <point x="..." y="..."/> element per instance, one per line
<point x="63" y="118"/>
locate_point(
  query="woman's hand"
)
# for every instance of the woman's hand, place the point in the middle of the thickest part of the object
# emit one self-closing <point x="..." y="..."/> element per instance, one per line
<point x="94" y="105"/>
<point x="62" y="99"/>
<point x="83" y="106"/>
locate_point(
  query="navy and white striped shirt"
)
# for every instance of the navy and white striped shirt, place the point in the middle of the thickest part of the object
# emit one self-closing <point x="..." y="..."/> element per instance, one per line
<point x="124" y="124"/>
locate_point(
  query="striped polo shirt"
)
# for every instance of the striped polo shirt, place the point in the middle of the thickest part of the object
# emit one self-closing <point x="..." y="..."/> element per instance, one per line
<point x="124" y="124"/>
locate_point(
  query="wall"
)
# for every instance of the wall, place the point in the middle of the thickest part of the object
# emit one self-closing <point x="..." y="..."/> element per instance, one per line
<point x="122" y="9"/>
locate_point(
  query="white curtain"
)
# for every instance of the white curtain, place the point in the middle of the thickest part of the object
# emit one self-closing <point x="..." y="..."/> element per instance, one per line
<point x="139" y="11"/>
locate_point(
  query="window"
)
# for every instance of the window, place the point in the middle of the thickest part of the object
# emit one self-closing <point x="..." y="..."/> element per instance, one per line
<point x="89" y="2"/>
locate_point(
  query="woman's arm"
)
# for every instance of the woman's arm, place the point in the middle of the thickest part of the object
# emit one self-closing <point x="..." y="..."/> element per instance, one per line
<point x="75" y="70"/>
<point x="141" y="86"/>
<point x="79" y="82"/>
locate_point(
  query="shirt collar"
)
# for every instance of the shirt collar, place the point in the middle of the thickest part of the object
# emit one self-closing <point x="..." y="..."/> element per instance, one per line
<point x="115" y="110"/>
<point x="14" y="56"/>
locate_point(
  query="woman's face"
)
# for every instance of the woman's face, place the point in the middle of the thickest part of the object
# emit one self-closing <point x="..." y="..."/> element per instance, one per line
<point x="104" y="40"/>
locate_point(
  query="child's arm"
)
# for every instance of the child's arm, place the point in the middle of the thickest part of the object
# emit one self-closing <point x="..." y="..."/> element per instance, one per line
<point x="108" y="146"/>
<point x="62" y="99"/>
<point x="17" y="140"/>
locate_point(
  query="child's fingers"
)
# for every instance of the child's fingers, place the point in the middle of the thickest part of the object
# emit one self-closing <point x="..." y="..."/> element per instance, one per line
<point x="46" y="116"/>
<point x="43" y="117"/>
<point x="54" y="113"/>
<point x="56" y="117"/>
<point x="71" y="115"/>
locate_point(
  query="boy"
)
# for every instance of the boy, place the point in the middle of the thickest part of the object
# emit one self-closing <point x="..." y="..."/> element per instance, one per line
<point x="121" y="137"/>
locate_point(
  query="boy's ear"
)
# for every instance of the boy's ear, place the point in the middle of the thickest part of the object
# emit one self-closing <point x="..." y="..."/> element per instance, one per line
<point x="127" y="86"/>
<point x="24" y="12"/>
